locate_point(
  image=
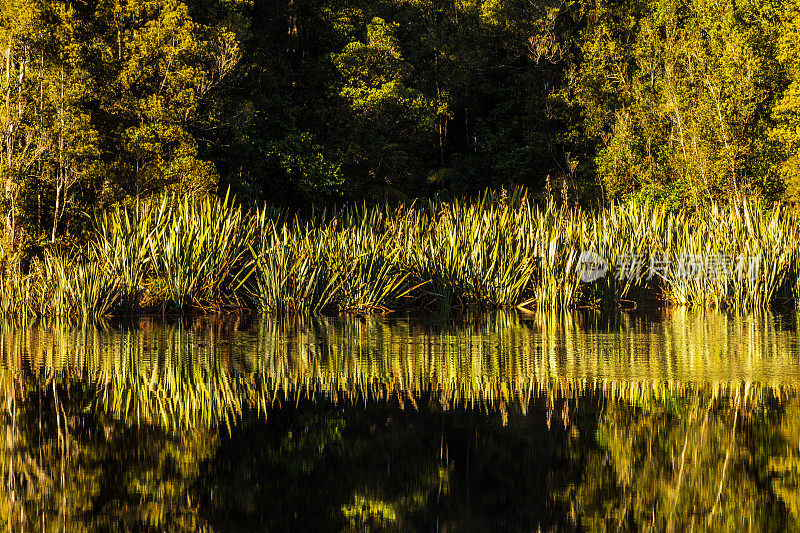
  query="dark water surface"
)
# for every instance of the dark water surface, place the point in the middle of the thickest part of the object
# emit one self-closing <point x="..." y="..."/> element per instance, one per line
<point x="675" y="421"/>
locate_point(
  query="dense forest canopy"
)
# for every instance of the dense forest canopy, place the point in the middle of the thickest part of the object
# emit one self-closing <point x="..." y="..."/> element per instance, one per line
<point x="298" y="101"/>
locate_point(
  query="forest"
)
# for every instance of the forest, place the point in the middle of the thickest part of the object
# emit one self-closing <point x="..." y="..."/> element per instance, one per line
<point x="329" y="102"/>
<point x="349" y="190"/>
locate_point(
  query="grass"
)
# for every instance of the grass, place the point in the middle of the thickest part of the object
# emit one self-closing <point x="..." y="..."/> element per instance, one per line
<point x="173" y="255"/>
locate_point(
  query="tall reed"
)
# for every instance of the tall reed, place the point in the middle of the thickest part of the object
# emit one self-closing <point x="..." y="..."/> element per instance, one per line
<point x="123" y="242"/>
<point x="201" y="252"/>
<point x="478" y="252"/>
<point x="501" y="249"/>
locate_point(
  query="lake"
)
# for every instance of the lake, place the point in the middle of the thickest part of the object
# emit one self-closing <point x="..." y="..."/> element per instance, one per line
<point x="667" y="420"/>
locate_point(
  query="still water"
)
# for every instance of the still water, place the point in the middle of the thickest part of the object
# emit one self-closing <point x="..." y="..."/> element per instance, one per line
<point x="677" y="420"/>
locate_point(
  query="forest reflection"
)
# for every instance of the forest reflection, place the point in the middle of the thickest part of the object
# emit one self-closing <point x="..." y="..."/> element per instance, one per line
<point x="579" y="421"/>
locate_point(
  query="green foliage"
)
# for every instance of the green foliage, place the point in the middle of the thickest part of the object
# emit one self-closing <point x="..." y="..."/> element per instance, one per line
<point x="682" y="101"/>
<point x="501" y="250"/>
<point x="375" y="88"/>
<point x="678" y="92"/>
<point x="169" y="63"/>
<point x="101" y="102"/>
<point x="302" y="160"/>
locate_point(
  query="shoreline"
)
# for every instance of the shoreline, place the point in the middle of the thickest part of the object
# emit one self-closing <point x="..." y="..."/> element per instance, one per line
<point x="201" y="256"/>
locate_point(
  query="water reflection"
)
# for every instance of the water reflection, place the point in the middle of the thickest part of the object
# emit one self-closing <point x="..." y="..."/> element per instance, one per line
<point x="578" y="421"/>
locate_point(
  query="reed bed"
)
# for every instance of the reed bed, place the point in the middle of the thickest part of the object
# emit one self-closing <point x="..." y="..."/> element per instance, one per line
<point x="174" y="255"/>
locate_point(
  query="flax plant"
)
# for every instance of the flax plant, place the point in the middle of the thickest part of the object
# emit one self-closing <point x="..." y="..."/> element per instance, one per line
<point x="496" y="251"/>
<point x="626" y="236"/>
<point x="201" y="252"/>
<point x="123" y="242"/>
<point x="737" y="256"/>
<point x="78" y="286"/>
<point x="556" y="238"/>
<point x="290" y="268"/>
<point x="17" y="296"/>
<point x="365" y="264"/>
<point x="476" y="253"/>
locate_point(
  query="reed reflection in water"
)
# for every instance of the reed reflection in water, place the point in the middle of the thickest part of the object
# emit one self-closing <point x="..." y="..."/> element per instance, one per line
<point x="580" y="420"/>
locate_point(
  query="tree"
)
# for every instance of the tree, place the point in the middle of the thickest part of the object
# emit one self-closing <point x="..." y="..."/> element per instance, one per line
<point x="785" y="133"/>
<point x="676" y="94"/>
<point x="162" y="65"/>
<point x="391" y="125"/>
<point x="22" y="142"/>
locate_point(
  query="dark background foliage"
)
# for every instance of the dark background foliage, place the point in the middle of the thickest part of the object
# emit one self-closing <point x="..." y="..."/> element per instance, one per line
<point x="329" y="101"/>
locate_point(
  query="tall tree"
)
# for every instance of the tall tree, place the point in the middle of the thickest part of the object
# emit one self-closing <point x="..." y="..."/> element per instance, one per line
<point x="161" y="66"/>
